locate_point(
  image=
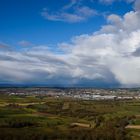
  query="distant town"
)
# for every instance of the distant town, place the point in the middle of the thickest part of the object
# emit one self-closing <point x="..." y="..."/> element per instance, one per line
<point x="76" y="93"/>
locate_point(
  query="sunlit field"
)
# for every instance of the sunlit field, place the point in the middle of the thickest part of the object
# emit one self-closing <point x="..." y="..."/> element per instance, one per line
<point x="48" y="118"/>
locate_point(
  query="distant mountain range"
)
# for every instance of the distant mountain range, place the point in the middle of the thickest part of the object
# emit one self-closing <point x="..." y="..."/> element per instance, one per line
<point x="59" y="86"/>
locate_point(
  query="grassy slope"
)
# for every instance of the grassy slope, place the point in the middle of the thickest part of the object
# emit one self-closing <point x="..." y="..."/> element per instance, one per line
<point x="36" y="117"/>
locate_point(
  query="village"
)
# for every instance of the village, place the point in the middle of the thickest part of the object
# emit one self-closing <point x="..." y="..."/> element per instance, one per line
<point x="76" y="93"/>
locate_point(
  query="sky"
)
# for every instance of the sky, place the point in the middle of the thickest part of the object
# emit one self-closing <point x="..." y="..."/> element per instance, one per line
<point x="70" y="43"/>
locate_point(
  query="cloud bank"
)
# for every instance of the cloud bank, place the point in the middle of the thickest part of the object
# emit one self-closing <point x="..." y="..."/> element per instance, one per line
<point x="108" y="57"/>
<point x="73" y="12"/>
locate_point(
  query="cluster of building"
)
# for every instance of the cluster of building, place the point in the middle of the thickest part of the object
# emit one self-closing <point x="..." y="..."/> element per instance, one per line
<point x="77" y="93"/>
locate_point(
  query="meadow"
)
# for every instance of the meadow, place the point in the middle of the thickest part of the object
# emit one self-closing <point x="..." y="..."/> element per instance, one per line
<point x="49" y="118"/>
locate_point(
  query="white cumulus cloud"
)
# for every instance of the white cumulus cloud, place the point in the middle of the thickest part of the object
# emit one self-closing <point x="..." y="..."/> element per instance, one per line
<point x="109" y="56"/>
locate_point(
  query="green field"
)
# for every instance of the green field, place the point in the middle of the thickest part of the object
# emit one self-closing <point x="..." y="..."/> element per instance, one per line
<point x="47" y="118"/>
